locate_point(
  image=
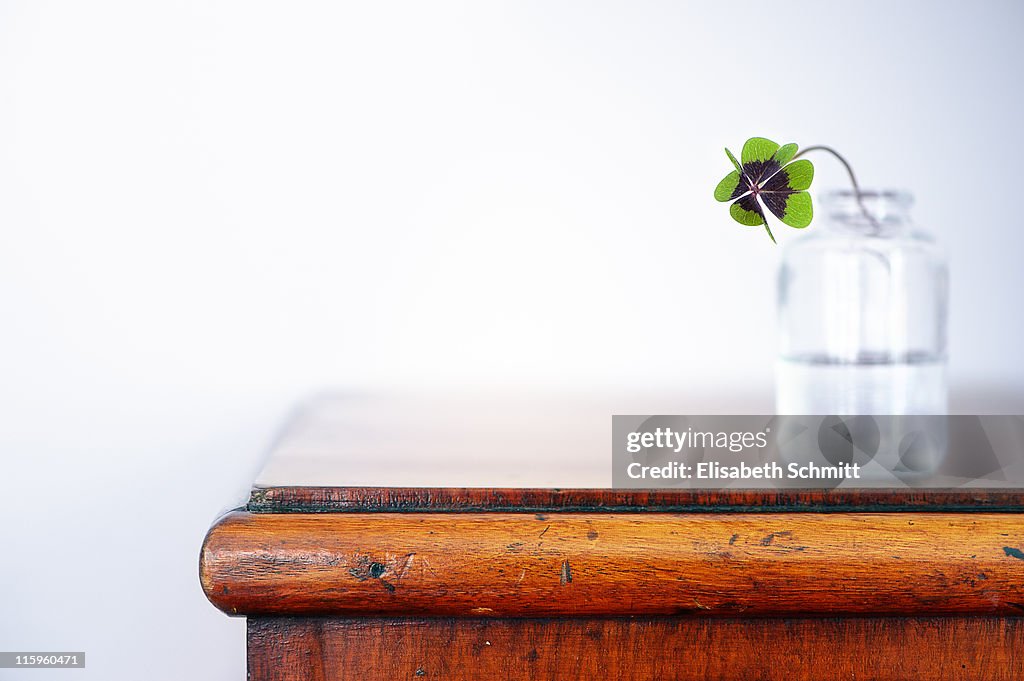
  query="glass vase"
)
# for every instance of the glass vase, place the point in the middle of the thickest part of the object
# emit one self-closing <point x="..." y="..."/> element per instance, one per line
<point x="862" y="306"/>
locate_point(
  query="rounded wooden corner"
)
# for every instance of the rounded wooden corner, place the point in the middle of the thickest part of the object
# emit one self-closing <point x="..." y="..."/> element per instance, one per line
<point x="215" y="562"/>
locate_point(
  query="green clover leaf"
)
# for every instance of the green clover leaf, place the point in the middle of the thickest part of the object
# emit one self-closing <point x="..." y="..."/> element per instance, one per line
<point x="764" y="177"/>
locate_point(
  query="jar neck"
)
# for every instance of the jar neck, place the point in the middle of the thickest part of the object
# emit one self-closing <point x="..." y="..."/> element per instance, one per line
<point x="878" y="213"/>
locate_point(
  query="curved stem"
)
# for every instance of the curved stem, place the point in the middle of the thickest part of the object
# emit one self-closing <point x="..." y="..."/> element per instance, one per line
<point x="858" y="195"/>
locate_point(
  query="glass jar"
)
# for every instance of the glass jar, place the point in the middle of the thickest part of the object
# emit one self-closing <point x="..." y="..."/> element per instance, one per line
<point x="862" y="301"/>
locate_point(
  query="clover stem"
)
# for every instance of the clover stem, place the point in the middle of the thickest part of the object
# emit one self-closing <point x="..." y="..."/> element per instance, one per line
<point x="769" y="230"/>
<point x="853" y="180"/>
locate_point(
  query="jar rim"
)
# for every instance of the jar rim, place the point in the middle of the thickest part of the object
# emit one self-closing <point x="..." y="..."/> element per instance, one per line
<point x="899" y="197"/>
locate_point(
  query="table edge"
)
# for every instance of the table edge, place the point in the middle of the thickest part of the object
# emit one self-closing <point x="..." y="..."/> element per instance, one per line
<point x="296" y="499"/>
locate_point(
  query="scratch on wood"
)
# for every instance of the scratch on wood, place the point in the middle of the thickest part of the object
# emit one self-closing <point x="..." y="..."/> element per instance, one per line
<point x="771" y="537"/>
<point x="426" y="566"/>
<point x="405" y="567"/>
<point x="565" y="576"/>
<point x="545" y="530"/>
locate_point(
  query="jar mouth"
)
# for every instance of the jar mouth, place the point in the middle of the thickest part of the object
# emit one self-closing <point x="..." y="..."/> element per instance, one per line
<point x="892" y="196"/>
<point x="885" y="206"/>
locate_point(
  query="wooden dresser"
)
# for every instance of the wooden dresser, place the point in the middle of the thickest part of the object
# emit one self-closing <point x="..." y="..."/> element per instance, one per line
<point x="411" y="540"/>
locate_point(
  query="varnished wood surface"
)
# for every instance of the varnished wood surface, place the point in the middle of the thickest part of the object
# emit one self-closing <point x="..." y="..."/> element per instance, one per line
<point x="418" y="499"/>
<point x="568" y="564"/>
<point x="660" y="649"/>
<point x="528" y="440"/>
<point x="440" y="438"/>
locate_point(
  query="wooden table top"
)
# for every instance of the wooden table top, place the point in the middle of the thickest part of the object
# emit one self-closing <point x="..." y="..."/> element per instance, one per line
<point x="421" y="529"/>
<point x="465" y="452"/>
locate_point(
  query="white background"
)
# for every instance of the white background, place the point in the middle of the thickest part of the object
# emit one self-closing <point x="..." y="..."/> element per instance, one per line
<point x="210" y="209"/>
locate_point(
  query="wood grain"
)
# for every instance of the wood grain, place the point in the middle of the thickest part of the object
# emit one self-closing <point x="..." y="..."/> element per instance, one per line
<point x="568" y="564"/>
<point x="659" y="649"/>
<point x="421" y="499"/>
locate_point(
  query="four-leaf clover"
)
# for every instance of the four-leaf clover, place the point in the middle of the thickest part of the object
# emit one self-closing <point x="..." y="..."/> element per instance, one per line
<point x="765" y="178"/>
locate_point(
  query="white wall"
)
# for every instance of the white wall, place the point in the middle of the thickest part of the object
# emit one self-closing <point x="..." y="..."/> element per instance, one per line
<point x="209" y="208"/>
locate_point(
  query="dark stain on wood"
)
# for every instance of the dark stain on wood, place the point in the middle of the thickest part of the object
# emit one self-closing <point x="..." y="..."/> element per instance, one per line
<point x="592" y="535"/>
<point x="732" y="539"/>
<point x="365" y="569"/>
<point x="1013" y="552"/>
<point x="361" y="568"/>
